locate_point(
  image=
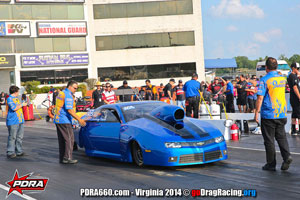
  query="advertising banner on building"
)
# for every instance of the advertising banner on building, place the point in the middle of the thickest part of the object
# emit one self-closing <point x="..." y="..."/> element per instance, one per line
<point x="7" y="61"/>
<point x="49" y="1"/>
<point x="54" y="60"/>
<point x="14" y="28"/>
<point x="62" y="29"/>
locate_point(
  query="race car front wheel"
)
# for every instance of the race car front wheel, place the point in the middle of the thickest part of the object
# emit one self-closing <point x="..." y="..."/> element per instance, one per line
<point x="137" y="154"/>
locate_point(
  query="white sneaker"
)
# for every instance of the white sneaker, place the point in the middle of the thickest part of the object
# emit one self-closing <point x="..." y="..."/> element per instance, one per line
<point x="257" y="131"/>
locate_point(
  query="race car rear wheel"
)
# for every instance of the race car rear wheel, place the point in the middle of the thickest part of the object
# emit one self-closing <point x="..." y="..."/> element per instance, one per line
<point x="137" y="154"/>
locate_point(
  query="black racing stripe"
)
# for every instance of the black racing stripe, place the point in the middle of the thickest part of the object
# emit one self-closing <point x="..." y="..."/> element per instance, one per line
<point x="184" y="133"/>
<point x="195" y="128"/>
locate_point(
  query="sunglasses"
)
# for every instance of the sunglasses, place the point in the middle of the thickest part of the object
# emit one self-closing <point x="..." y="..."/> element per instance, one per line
<point x="75" y="88"/>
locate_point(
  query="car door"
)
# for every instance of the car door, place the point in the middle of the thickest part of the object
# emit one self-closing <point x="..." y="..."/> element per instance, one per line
<point x="104" y="133"/>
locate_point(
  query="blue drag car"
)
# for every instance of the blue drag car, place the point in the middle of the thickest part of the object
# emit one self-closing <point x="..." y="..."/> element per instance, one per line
<point x="150" y="133"/>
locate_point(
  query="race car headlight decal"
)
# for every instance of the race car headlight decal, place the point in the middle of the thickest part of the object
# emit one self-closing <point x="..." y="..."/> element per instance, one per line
<point x="173" y="145"/>
<point x="219" y="139"/>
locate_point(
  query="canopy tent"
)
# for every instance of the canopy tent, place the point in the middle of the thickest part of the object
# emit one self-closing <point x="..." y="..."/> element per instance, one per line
<point x="220" y="63"/>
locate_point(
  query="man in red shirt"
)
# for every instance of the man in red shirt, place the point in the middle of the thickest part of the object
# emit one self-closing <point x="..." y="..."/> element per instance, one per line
<point x="216" y="88"/>
<point x="109" y="96"/>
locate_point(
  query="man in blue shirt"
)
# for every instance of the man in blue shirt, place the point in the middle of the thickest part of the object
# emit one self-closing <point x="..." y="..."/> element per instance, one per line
<point x="64" y="113"/>
<point x="192" y="89"/>
<point x="271" y="102"/>
<point x="14" y="123"/>
<point x="229" y="96"/>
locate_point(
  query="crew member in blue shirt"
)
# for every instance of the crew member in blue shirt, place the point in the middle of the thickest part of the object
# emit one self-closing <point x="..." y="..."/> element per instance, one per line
<point x="64" y="113"/>
<point x="192" y="95"/>
<point x="14" y="123"/>
<point x="271" y="102"/>
<point x="229" y="96"/>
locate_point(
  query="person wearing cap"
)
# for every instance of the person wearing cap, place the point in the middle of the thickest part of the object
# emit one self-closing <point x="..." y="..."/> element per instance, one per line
<point x="294" y="84"/>
<point x="168" y="90"/>
<point x="125" y="98"/>
<point x="97" y="95"/>
<point x="180" y="97"/>
<point x="192" y="94"/>
<point x="151" y="92"/>
<point x="272" y="106"/>
<point x="109" y="96"/>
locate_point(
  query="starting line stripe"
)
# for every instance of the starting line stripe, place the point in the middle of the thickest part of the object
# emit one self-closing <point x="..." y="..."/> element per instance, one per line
<point x="24" y="196"/>
<point x="293" y="153"/>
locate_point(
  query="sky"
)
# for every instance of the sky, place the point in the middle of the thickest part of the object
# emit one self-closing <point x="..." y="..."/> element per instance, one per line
<point x="252" y="28"/>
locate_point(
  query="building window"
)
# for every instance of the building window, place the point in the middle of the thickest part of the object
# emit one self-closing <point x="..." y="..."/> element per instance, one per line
<point x="146" y="72"/>
<point x="41" y="12"/>
<point x="12" y="78"/>
<point x="75" y="12"/>
<point x="7" y="45"/>
<point x="149" y="40"/>
<point x="143" y="9"/>
<point x="5" y="12"/>
<point x="24" y="45"/>
<point x="77" y="44"/>
<point x="42" y="45"/>
<point x="22" y="12"/>
<point x="61" y="44"/>
<point x="59" y="12"/>
<point x="55" y="76"/>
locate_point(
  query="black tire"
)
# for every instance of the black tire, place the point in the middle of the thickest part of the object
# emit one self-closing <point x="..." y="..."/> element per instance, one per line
<point x="137" y="154"/>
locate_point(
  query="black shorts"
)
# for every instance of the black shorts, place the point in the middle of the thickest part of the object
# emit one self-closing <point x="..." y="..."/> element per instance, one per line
<point x="296" y="111"/>
<point x="242" y="100"/>
<point x="251" y="103"/>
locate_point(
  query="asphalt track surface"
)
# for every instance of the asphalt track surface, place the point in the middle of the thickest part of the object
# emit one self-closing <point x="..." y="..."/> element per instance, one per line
<point x="241" y="171"/>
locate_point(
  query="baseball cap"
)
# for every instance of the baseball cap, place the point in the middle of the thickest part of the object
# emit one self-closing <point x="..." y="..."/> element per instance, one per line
<point x="295" y="65"/>
<point x="125" y="82"/>
<point x="195" y="75"/>
<point x="172" y="79"/>
<point x="180" y="81"/>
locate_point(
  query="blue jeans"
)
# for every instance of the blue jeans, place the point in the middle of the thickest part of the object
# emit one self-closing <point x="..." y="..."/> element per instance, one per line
<point x="15" y="137"/>
<point x="181" y="103"/>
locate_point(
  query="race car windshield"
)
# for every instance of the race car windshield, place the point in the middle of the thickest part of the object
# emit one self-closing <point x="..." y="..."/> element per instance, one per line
<point x="137" y="111"/>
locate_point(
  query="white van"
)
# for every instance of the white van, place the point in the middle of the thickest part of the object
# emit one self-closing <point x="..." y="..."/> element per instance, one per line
<point x="283" y="67"/>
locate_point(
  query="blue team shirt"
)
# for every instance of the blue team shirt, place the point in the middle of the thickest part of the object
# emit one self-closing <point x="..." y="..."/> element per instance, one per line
<point x="191" y="88"/>
<point x="230" y="88"/>
<point x="64" y="102"/>
<point x="272" y="87"/>
<point x="13" y="117"/>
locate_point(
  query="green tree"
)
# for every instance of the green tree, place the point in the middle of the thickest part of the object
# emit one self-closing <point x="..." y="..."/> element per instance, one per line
<point x="244" y="62"/>
<point x="32" y="85"/>
<point x="294" y="58"/>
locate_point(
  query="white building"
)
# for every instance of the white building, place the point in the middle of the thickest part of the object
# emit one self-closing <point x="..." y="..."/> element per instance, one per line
<point x="43" y="40"/>
<point x="145" y="39"/>
<point x="125" y="39"/>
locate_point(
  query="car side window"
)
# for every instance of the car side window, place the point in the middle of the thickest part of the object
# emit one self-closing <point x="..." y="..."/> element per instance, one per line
<point x="106" y="115"/>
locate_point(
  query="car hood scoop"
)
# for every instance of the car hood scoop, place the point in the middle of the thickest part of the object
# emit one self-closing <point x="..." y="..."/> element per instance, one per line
<point x="182" y="129"/>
